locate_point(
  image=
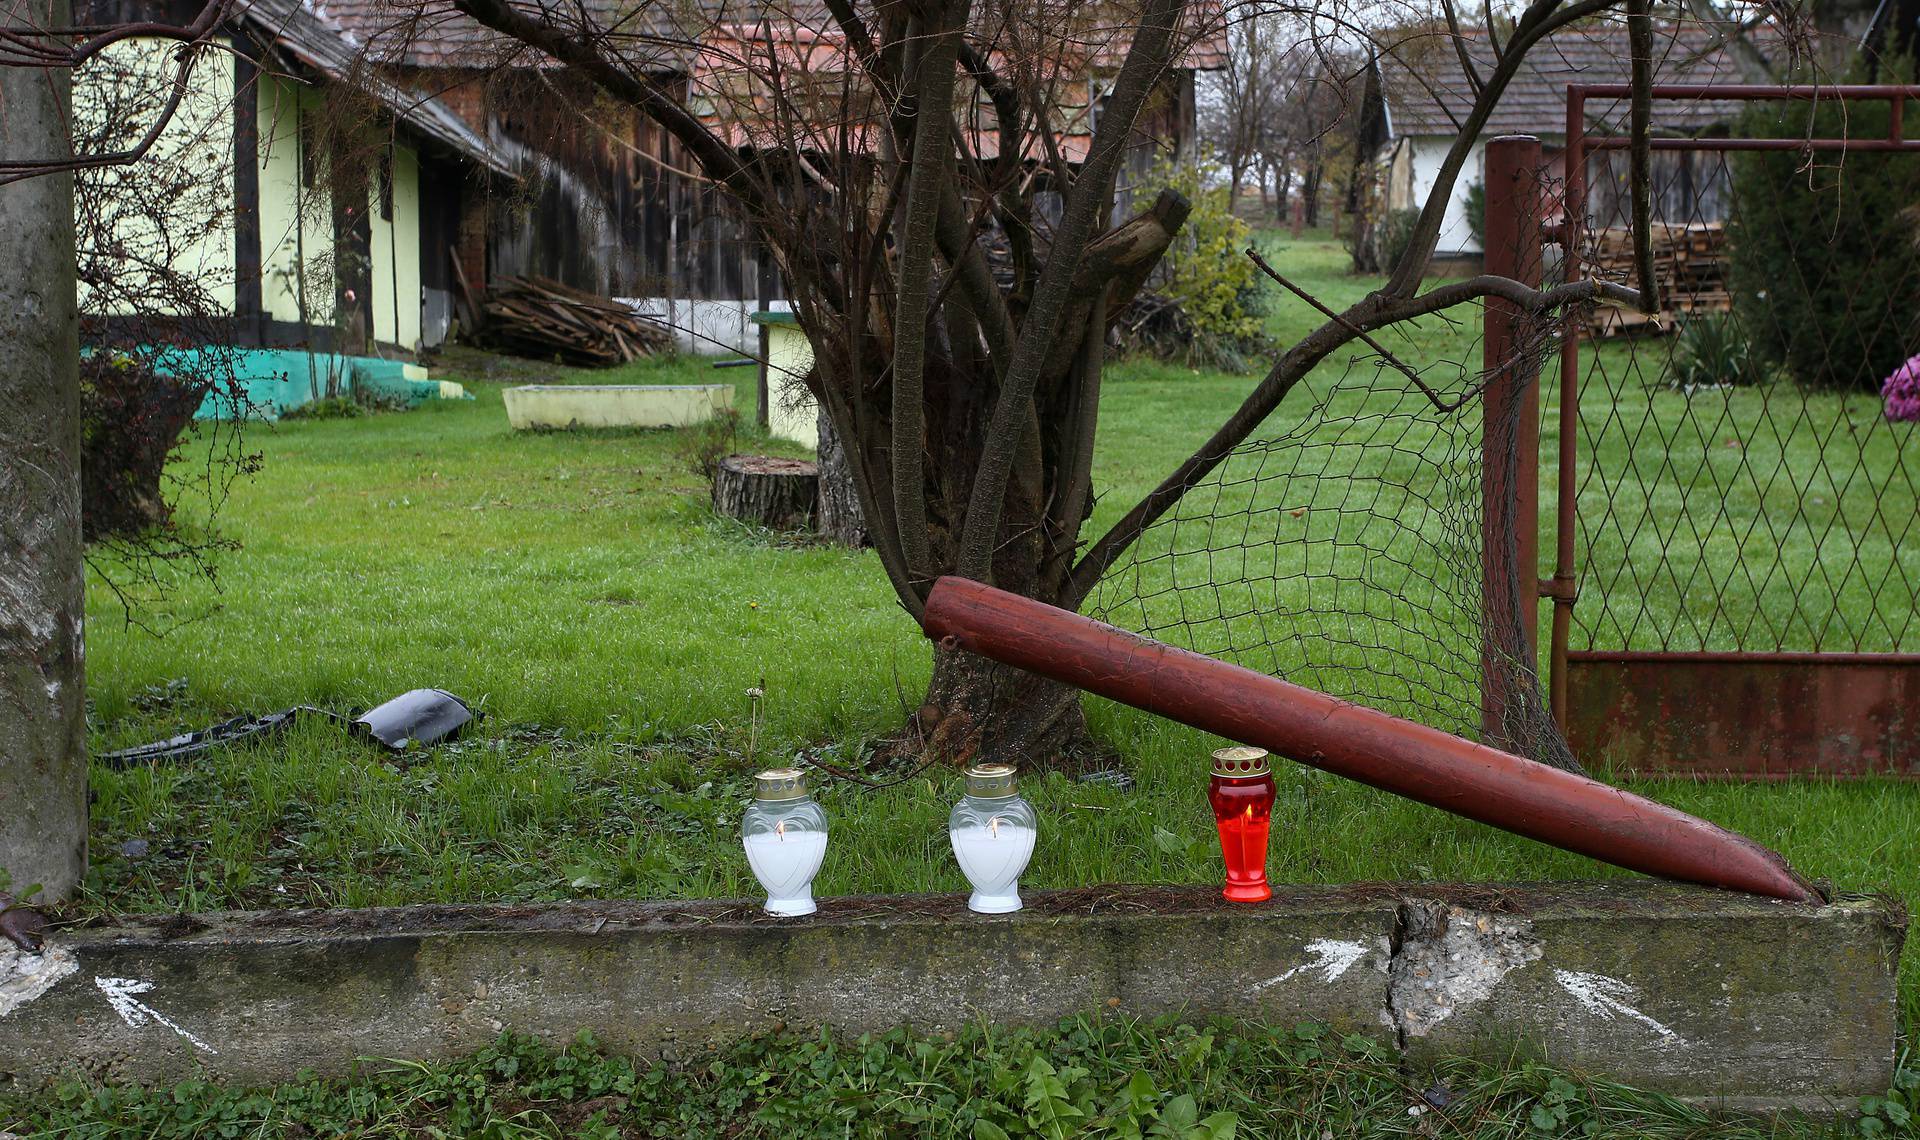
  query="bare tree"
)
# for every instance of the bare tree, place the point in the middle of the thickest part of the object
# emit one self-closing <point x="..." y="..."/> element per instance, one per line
<point x="1781" y="41"/>
<point x="1281" y="108"/>
<point x="878" y="147"/>
<point x="1240" y="113"/>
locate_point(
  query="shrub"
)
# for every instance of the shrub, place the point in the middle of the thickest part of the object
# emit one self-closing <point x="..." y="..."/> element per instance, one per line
<point x="701" y="447"/>
<point x="1902" y="392"/>
<point x="1713" y="349"/>
<point x="1391" y="237"/>
<point x="326" y="408"/>
<point x="1825" y="268"/>
<point x="1476" y="206"/>
<point x="1208" y="275"/>
<point x="133" y="418"/>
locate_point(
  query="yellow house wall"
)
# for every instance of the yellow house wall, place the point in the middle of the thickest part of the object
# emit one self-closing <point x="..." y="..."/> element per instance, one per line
<point x="296" y="221"/>
<point x="396" y="254"/>
<point x="792" y="412"/>
<point x="194" y="153"/>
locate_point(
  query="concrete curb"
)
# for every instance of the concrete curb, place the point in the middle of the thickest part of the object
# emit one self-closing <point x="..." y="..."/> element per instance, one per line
<point x="1702" y="994"/>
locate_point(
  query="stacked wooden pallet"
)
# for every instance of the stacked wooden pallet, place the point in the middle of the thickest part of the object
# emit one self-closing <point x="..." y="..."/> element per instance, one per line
<point x="1689" y="262"/>
<point x="532" y="316"/>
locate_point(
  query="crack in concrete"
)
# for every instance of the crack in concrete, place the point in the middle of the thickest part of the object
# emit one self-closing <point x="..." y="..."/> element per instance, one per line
<point x="1447" y="958"/>
<point x="26" y="977"/>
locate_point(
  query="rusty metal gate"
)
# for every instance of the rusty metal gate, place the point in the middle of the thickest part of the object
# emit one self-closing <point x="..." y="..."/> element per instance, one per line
<point x="1737" y="529"/>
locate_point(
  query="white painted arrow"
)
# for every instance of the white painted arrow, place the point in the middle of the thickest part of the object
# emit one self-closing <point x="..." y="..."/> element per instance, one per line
<point x="119" y="993"/>
<point x="1604" y="997"/>
<point x="1332" y="957"/>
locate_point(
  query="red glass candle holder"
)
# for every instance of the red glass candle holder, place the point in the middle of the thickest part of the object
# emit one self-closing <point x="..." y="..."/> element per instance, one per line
<point x="1241" y="793"/>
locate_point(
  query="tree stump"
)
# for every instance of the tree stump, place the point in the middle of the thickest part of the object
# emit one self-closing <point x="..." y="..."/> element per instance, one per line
<point x="766" y="491"/>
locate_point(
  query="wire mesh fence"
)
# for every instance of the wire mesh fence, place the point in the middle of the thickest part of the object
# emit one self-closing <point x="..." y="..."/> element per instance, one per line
<point x="1743" y="482"/>
<point x="1343" y="547"/>
<point x="1339" y="550"/>
<point x="1741" y="463"/>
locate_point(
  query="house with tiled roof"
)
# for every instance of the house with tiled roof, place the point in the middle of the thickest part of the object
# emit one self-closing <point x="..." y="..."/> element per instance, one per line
<point x="609" y="202"/>
<point x="1418" y="94"/>
<point x="333" y="197"/>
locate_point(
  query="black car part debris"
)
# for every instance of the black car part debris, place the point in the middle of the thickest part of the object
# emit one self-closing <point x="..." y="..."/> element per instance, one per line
<point x="421" y="716"/>
<point x="414" y="718"/>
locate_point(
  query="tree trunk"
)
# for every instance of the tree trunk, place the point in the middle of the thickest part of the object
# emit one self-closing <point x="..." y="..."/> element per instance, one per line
<point x="978" y="710"/>
<point x="837" y="518"/>
<point x="43" y="761"/>
<point x="766" y="491"/>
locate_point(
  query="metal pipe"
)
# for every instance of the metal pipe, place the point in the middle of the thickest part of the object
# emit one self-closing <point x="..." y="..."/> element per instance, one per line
<point x="1747" y="144"/>
<point x="1747" y="657"/>
<point x="1407" y="759"/>
<point x="1566" y="487"/>
<point x="1895" y="94"/>
<point x="1712" y="91"/>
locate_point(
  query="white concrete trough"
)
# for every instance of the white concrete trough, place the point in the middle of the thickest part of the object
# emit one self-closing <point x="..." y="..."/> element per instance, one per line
<point x="532" y="406"/>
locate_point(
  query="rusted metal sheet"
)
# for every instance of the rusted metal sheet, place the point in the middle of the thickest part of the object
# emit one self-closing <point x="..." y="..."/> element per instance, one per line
<point x="1747" y="715"/>
<point x="1760" y="713"/>
<point x="1399" y="756"/>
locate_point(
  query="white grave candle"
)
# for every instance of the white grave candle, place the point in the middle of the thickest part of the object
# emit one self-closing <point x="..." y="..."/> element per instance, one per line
<point x="785" y="861"/>
<point x="992" y="855"/>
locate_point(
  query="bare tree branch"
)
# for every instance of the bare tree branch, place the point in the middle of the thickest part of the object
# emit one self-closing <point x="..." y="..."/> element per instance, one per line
<point x="48" y="48"/>
<point x="926" y="184"/>
<point x="1149" y="53"/>
<point x="1540" y="19"/>
<point x="1640" y="153"/>
<point x="1375" y="311"/>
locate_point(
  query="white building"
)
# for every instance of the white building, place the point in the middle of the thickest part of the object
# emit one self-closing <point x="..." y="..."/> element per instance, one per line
<point x="1418" y="95"/>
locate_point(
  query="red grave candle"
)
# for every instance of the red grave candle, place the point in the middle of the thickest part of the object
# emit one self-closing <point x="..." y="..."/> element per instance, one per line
<point x="1241" y="793"/>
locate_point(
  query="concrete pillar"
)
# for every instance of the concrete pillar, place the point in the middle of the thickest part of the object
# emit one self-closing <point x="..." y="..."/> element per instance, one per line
<point x="43" y="762"/>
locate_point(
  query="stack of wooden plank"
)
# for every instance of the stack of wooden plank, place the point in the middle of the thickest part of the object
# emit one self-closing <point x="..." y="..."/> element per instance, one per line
<point x="533" y="316"/>
<point x="1689" y="262"/>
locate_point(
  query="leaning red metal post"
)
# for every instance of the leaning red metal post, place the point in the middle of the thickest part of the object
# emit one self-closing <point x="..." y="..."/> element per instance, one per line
<point x="1510" y="434"/>
<point x="1407" y="759"/>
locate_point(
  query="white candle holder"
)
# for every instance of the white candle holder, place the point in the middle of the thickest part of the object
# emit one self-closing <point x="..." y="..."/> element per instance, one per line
<point x="785" y="834"/>
<point x="992" y="830"/>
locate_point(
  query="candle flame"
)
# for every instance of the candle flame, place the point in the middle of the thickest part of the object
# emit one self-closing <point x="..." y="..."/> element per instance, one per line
<point x="993" y="827"/>
<point x="780" y="831"/>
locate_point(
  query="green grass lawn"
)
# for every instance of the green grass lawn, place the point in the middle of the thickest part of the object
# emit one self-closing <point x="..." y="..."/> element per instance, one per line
<point x="576" y="587"/>
<point x="1084" y="1077"/>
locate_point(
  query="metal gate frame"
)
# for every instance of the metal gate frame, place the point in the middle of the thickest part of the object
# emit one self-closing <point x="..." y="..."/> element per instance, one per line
<point x="1746" y="714"/>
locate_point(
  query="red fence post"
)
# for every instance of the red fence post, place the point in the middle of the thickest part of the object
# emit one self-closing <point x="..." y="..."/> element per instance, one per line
<point x="1510" y="438"/>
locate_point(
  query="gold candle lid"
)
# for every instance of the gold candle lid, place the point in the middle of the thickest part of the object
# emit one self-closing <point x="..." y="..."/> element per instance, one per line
<point x="780" y="784"/>
<point x="992" y="781"/>
<point x="1240" y="760"/>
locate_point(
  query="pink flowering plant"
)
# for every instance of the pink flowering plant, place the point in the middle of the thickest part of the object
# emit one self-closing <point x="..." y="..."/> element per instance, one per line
<point x="1902" y="392"/>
